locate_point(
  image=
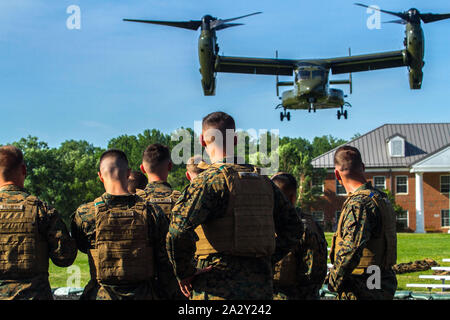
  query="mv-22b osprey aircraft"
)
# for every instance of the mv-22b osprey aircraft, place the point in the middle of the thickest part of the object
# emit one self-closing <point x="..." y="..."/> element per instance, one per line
<point x="311" y="76"/>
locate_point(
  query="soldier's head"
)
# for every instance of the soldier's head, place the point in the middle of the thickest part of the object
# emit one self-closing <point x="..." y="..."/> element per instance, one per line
<point x="12" y="166"/>
<point x="156" y="162"/>
<point x="348" y="166"/>
<point x="218" y="135"/>
<point x="194" y="166"/>
<point x="114" y="171"/>
<point x="136" y="180"/>
<point x="287" y="184"/>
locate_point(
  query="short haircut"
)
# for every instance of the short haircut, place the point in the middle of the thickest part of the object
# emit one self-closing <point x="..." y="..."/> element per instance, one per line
<point x="155" y="155"/>
<point x="286" y="182"/>
<point x="11" y="158"/>
<point x="114" y="153"/>
<point x="348" y="158"/>
<point x="192" y="165"/>
<point x="220" y="121"/>
<point x="137" y="180"/>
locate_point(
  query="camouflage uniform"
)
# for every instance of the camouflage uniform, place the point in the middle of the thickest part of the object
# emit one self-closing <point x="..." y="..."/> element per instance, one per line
<point x="162" y="194"/>
<point x="361" y="222"/>
<point x="309" y="264"/>
<point x="61" y="249"/>
<point x="162" y="286"/>
<point x="232" y="277"/>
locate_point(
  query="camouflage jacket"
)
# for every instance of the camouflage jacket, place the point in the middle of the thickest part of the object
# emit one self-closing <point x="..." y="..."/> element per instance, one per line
<point x="360" y="223"/>
<point x="164" y="286"/>
<point x="61" y="249"/>
<point x="232" y="277"/>
<point x="160" y="190"/>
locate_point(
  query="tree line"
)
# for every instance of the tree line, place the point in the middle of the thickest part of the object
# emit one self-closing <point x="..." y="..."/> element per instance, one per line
<point x="66" y="176"/>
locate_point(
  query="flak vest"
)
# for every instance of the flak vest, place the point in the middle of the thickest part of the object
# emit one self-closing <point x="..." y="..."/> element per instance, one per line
<point x="247" y="228"/>
<point x="165" y="203"/>
<point x="122" y="253"/>
<point x="380" y="250"/>
<point x="287" y="271"/>
<point x="23" y="250"/>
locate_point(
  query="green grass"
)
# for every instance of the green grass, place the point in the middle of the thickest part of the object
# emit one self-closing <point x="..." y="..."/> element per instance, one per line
<point x="410" y="247"/>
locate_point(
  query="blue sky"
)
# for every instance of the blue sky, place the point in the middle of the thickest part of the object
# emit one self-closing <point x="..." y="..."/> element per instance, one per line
<point x="113" y="77"/>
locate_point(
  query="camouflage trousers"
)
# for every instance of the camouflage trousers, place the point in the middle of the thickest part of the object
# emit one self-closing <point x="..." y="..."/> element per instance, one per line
<point x="245" y="279"/>
<point x="308" y="292"/>
<point x="96" y="291"/>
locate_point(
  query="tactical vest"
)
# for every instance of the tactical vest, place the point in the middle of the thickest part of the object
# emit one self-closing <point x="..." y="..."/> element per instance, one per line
<point x="381" y="249"/>
<point x="23" y="250"/>
<point x="123" y="253"/>
<point x="304" y="270"/>
<point x="247" y="228"/>
<point x="165" y="203"/>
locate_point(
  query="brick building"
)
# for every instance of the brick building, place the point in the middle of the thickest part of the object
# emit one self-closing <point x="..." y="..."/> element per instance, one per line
<point x="410" y="160"/>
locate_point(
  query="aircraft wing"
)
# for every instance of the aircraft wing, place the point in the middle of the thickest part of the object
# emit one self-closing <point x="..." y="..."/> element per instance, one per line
<point x="366" y="62"/>
<point x="281" y="67"/>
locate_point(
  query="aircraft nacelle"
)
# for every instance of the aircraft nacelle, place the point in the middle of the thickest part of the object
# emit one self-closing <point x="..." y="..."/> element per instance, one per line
<point x="415" y="49"/>
<point x="207" y="48"/>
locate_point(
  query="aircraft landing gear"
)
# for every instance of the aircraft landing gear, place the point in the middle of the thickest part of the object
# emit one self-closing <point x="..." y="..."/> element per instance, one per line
<point x="342" y="113"/>
<point x="286" y="115"/>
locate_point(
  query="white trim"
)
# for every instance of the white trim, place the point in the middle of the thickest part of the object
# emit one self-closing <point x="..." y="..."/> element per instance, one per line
<point x="407" y="185"/>
<point x="437" y="162"/>
<point x="420" y="214"/>
<point x="391" y="141"/>
<point x="384" y="177"/>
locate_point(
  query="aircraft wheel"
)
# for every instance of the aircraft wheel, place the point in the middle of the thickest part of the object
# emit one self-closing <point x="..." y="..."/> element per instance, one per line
<point x="339" y="114"/>
<point x="345" y="114"/>
<point x="281" y="116"/>
<point x="288" y="116"/>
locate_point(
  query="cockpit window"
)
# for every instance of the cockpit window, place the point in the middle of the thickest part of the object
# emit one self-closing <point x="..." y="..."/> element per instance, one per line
<point x="317" y="74"/>
<point x="304" y="74"/>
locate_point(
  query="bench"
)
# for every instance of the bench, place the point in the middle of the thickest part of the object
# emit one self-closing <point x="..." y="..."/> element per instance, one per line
<point x="445" y="260"/>
<point x="429" y="286"/>
<point x="440" y="268"/>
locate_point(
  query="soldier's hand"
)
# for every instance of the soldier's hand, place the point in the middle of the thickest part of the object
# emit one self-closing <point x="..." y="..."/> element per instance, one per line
<point x="186" y="284"/>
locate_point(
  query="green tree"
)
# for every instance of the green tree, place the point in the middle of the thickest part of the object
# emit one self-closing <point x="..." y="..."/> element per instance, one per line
<point x="320" y="145"/>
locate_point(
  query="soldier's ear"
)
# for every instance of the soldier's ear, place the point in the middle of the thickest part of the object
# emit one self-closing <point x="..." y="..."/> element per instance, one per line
<point x="188" y="176"/>
<point x="142" y="168"/>
<point x="100" y="177"/>
<point x="202" y="140"/>
<point x="338" y="176"/>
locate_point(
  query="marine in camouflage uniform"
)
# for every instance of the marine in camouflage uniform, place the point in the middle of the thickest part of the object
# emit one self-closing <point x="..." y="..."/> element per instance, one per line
<point x="360" y="222"/>
<point x="162" y="194"/>
<point x="234" y="277"/>
<point x="161" y="286"/>
<point x="51" y="236"/>
<point x="300" y="275"/>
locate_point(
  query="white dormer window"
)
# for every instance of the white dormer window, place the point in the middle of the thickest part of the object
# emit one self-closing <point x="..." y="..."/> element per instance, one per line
<point x="397" y="146"/>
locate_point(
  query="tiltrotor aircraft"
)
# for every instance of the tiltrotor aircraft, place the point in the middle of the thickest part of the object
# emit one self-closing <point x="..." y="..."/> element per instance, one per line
<point x="311" y="81"/>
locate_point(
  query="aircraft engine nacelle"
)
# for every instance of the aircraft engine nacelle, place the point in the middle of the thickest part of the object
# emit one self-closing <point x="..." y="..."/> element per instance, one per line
<point x="207" y="49"/>
<point x="415" y="47"/>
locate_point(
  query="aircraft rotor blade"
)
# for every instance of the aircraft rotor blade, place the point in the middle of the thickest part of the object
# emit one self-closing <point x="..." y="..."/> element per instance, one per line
<point x="214" y="24"/>
<point x="400" y="21"/>
<point x="191" y="25"/>
<point x="397" y="14"/>
<point x="431" y="17"/>
<point x="228" y="25"/>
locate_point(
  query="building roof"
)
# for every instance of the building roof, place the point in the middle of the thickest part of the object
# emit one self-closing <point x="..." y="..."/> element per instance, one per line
<point x="421" y="140"/>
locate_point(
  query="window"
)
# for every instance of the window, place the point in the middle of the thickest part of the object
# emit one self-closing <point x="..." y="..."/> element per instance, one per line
<point x="397" y="146"/>
<point x="317" y="184"/>
<point x="319" y="217"/>
<point x="304" y="74"/>
<point x="379" y="182"/>
<point x="445" y="218"/>
<point x="340" y="190"/>
<point x="445" y="184"/>
<point x="317" y="74"/>
<point x="402" y="220"/>
<point x="401" y="184"/>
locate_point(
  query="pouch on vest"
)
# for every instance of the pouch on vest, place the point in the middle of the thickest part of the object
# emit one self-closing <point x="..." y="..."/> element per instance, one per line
<point x="122" y="253"/>
<point x="247" y="228"/>
<point x="23" y="251"/>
